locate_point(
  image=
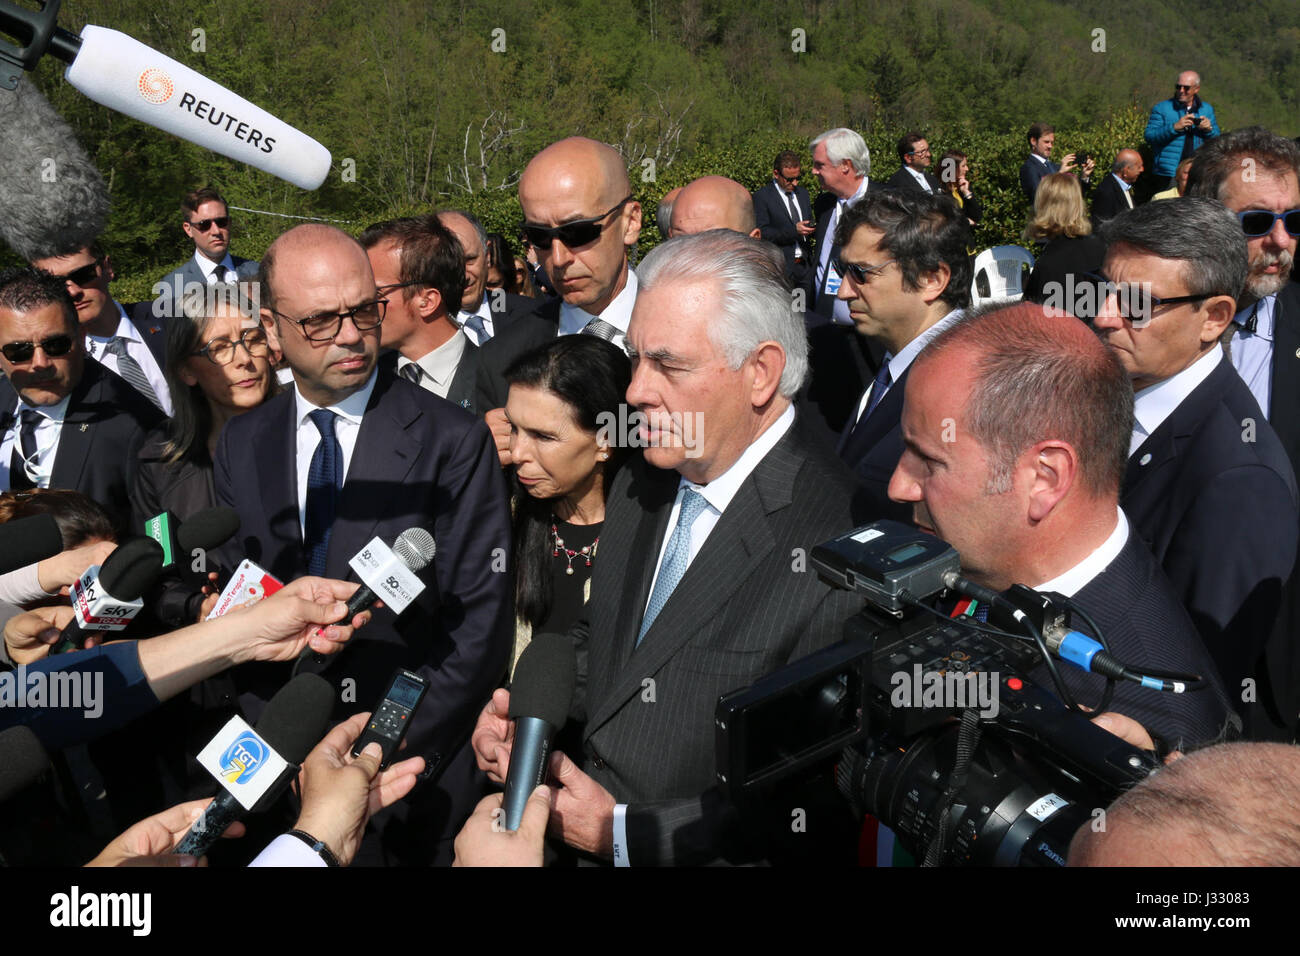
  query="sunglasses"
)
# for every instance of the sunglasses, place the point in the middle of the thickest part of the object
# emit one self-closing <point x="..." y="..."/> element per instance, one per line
<point x="580" y="232"/>
<point x="203" y="225"/>
<point x="1180" y="86"/>
<point x="54" y="346"/>
<point x="1133" y="300"/>
<point x="83" y="276"/>
<point x="857" y="273"/>
<point x="1259" y="222"/>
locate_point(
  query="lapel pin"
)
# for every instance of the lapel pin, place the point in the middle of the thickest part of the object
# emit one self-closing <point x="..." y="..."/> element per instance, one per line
<point x="1145" y="459"/>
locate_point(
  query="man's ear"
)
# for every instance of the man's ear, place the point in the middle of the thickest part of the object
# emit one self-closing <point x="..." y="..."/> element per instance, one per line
<point x="1219" y="312"/>
<point x="272" y="331"/>
<point x="934" y="283"/>
<point x="427" y="301"/>
<point x="1055" y="469"/>
<point x="109" y="274"/>
<point x="769" y="364"/>
<point x="631" y="223"/>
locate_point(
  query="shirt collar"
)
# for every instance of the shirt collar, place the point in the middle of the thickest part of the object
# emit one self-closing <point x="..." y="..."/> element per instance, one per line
<point x="207" y="266"/>
<point x="1123" y="185"/>
<point x="719" y="492"/>
<point x="440" y="364"/>
<point x="899" y="363"/>
<point x="54" y="413"/>
<point x="352" y="408"/>
<point x="1153" y="404"/>
<point x="125" y="329"/>
<point x="1042" y="159"/>
<point x="918" y="176"/>
<point x="1263" y="312"/>
<point x="618" y="313"/>
<point x="1080" y="576"/>
<point x="862" y="191"/>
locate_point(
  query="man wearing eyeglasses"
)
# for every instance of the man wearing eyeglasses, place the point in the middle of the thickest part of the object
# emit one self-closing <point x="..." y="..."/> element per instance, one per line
<point x="125" y="338"/>
<point x="350" y="453"/>
<point x="1208" y="485"/>
<point x="205" y="217"/>
<point x="913" y="175"/>
<point x="580" y="216"/>
<point x="906" y="278"/>
<point x="66" y="422"/>
<point x="1179" y="126"/>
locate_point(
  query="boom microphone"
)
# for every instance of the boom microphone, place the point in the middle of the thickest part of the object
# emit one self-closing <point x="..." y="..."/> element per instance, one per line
<point x="107" y="596"/>
<point x="28" y="540"/>
<point x="125" y="75"/>
<point x="262" y="761"/>
<point x="540" y="696"/>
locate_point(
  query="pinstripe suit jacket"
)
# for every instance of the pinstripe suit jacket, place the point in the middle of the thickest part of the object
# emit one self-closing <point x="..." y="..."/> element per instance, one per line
<point x="746" y="606"/>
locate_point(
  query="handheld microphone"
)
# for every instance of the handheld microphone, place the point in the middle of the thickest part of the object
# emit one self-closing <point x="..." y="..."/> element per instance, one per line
<point x="209" y="528"/>
<point x="28" y="541"/>
<point x="540" y="696"/>
<point x="125" y="75"/>
<point x="22" y="761"/>
<point x="255" y="766"/>
<point x="107" y="597"/>
<point x="414" y="549"/>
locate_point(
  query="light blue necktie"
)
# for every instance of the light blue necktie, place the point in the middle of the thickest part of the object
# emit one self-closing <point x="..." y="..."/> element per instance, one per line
<point x="474" y="321"/>
<point x="675" y="558"/>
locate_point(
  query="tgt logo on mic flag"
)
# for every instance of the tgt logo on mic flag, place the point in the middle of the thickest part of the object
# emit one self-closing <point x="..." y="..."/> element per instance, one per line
<point x="242" y="762"/>
<point x="243" y="758"/>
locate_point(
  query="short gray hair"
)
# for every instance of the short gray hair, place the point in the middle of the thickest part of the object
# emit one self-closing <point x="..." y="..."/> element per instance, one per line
<point x="1198" y="232"/>
<point x="756" y="298"/>
<point x="842" y="144"/>
<point x="1252" y="147"/>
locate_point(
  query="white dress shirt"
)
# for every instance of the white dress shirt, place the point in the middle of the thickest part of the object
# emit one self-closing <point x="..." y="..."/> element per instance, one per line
<point x="1153" y="404"/>
<point x="286" y="850"/>
<point x="899" y="363"/>
<point x="484" y="312"/>
<point x="41" y="465"/>
<point x="618" y="313"/>
<point x="439" y="366"/>
<point x="209" y="268"/>
<point x="346" y="426"/>
<point x="1252" y="352"/>
<point x="97" y="348"/>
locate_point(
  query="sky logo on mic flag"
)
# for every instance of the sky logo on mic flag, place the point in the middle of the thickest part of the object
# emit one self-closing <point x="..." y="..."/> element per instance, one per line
<point x="243" y="758"/>
<point x="155" y="86"/>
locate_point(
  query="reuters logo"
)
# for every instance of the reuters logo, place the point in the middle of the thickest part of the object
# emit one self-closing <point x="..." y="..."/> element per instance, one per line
<point x="155" y="86"/>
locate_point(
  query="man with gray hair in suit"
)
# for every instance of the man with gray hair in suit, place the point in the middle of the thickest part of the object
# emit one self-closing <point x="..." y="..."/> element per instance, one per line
<point x="694" y="591"/>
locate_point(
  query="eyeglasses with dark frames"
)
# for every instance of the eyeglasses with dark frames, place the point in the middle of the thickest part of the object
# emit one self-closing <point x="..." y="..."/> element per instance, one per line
<point x="384" y="290"/>
<point x="860" y="273"/>
<point x="203" y="225"/>
<point x="1259" y="222"/>
<point x="326" y="325"/>
<point x="222" y="351"/>
<point x="54" y="346"/>
<point x="1133" y="300"/>
<point x="580" y="232"/>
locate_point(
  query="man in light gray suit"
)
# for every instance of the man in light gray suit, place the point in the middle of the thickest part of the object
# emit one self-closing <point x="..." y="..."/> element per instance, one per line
<point x="206" y="220"/>
<point x="698" y="588"/>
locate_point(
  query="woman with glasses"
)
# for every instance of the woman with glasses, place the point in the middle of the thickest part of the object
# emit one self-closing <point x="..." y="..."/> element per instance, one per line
<point x="1060" y="220"/>
<point x="218" y="366"/>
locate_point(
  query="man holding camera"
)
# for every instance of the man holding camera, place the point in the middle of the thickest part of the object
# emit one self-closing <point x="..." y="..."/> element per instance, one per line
<point x="1179" y="126"/>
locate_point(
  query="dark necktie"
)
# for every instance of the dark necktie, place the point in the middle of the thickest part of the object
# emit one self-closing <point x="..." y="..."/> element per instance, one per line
<point x="222" y="273"/>
<point x="878" y="387"/>
<point x="1250" y="322"/>
<point x="24" y="450"/>
<point x="324" y="480"/>
<point x="130" y="369"/>
<point x="601" y="329"/>
<point x="794" y="210"/>
<point x="412" y="372"/>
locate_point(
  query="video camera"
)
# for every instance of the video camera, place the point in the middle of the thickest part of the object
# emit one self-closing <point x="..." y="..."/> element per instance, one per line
<point x="938" y="729"/>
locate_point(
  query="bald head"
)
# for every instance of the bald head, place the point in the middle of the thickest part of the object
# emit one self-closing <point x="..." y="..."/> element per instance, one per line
<point x="714" y="202"/>
<point x="1232" y="804"/>
<point x="299" y="243"/>
<point x="577" y="165"/>
<point x="1128" y="165"/>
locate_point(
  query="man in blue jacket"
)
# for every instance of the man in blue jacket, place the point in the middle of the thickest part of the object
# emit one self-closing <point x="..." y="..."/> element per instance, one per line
<point x="1179" y="126"/>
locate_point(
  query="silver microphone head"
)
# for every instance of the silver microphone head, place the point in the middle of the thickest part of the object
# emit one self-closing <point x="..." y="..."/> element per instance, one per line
<point x="415" y="547"/>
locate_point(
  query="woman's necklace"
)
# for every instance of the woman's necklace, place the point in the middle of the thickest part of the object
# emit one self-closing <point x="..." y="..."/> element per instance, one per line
<point x="588" y="552"/>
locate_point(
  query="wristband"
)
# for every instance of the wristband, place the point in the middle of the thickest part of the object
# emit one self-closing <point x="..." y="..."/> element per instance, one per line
<point x="317" y="846"/>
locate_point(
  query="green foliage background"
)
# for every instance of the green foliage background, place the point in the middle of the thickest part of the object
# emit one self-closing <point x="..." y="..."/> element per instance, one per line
<point x="406" y="92"/>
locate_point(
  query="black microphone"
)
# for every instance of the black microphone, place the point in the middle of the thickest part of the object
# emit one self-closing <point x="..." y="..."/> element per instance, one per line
<point x="28" y="540"/>
<point x="22" y="761"/>
<point x="108" y="598"/>
<point x="540" y="696"/>
<point x="292" y="724"/>
<point x="204" y="530"/>
<point x="415" y="547"/>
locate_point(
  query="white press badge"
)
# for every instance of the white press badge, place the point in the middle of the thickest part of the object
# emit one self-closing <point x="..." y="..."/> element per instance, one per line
<point x="387" y="575"/>
<point x="96" y="609"/>
<point x="242" y="762"/>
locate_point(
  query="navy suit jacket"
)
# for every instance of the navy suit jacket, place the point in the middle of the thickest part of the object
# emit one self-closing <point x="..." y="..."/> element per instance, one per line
<point x="904" y="180"/>
<point x="152" y="328"/>
<point x="1213" y="495"/>
<point x="105" y="425"/>
<point x="772" y="213"/>
<point x="418" y="461"/>
<point x="1032" y="172"/>
<point x="872" y="449"/>
<point x="528" y="331"/>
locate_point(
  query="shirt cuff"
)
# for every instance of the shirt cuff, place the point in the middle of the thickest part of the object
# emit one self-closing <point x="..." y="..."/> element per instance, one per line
<point x="286" y="850"/>
<point x="620" y="835"/>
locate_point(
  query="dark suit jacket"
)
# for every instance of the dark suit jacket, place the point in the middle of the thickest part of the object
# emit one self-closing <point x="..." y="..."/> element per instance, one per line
<point x="1062" y="258"/>
<point x="103" y="430"/>
<point x="904" y="180"/>
<point x="741" y="611"/>
<point x="171" y="287"/>
<point x="872" y="450"/>
<point x="1219" y="513"/>
<point x="1108" y="201"/>
<point x="418" y="461"/>
<point x="1032" y="172"/>
<point x="1141" y="618"/>
<point x="463" y="381"/>
<point x="1284" y="400"/>
<point x="152" y="328"/>
<point x="772" y="212"/>
<point x="526" y="332"/>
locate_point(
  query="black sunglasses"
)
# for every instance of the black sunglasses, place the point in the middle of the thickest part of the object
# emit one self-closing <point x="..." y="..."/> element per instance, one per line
<point x="54" y="346"/>
<point x="1133" y="300"/>
<point x="203" y="225"/>
<point x="580" y="232"/>
<point x="84" y="276"/>
<point x="1259" y="222"/>
<point x="857" y="273"/>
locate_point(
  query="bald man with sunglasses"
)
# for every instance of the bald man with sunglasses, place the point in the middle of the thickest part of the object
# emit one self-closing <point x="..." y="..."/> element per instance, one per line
<point x="580" y="216"/>
<point x="64" y="422"/>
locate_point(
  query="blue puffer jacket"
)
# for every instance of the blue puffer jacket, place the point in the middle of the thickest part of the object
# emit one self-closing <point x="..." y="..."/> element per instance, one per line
<point x="1168" y="145"/>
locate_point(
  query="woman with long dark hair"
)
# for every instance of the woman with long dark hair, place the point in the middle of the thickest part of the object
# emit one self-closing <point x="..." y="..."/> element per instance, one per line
<point x="563" y="408"/>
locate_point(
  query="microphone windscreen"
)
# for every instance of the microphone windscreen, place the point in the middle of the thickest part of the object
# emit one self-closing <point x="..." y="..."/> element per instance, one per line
<point x="132" y="567"/>
<point x="544" y="679"/>
<point x="28" y="540"/>
<point x="22" y="760"/>
<point x="209" y="528"/>
<point x="125" y="75"/>
<point x="296" y="717"/>
<point x="53" y="200"/>
<point x="415" y="547"/>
